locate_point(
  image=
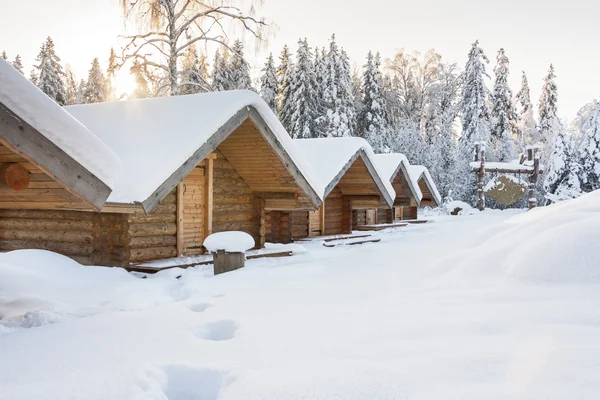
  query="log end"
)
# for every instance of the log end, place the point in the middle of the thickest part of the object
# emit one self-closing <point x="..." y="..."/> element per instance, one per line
<point x="14" y="175"/>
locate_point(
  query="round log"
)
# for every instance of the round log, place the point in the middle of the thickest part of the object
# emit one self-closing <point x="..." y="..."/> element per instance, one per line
<point x="14" y="175"/>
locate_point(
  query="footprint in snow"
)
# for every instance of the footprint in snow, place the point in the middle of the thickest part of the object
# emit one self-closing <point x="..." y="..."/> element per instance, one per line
<point x="217" y="331"/>
<point x="200" y="307"/>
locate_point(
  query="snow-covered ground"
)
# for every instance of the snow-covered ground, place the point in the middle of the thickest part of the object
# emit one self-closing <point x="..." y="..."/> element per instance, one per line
<point x="494" y="305"/>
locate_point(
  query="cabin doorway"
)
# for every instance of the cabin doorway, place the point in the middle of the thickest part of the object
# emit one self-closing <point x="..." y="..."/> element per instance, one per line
<point x="314" y="222"/>
<point x="191" y="205"/>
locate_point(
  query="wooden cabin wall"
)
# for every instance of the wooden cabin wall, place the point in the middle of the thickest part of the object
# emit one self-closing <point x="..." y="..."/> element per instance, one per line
<point x="300" y="224"/>
<point x="384" y="215"/>
<point x="359" y="217"/>
<point x="89" y="238"/>
<point x="154" y="236"/>
<point x="404" y="213"/>
<point x="333" y="213"/>
<point x="278" y="226"/>
<point x="427" y="196"/>
<point x="234" y="205"/>
<point x="43" y="193"/>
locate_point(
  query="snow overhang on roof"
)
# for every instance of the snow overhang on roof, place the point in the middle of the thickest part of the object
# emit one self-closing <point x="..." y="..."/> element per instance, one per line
<point x="61" y="146"/>
<point x="418" y="172"/>
<point x="393" y="163"/>
<point x="160" y="140"/>
<point x="331" y="157"/>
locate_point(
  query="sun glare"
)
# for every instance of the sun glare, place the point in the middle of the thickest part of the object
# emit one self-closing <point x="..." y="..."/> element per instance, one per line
<point x="124" y="83"/>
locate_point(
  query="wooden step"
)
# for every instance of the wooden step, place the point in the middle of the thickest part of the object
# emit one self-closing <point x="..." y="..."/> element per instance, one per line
<point x="352" y="243"/>
<point x="380" y="227"/>
<point x="331" y="238"/>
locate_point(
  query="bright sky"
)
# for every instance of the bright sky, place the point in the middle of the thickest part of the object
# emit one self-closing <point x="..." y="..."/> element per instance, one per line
<point x="533" y="32"/>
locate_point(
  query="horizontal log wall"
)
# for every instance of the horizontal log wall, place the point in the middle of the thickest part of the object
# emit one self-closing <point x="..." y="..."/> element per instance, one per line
<point x="154" y="236"/>
<point x="234" y="205"/>
<point x="43" y="192"/>
<point x="333" y="213"/>
<point x="300" y="224"/>
<point x="359" y="217"/>
<point x="404" y="213"/>
<point x="384" y="215"/>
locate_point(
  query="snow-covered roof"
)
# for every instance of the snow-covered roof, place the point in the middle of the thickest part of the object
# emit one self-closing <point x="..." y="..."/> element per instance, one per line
<point x="419" y="171"/>
<point x="155" y="137"/>
<point x="330" y="157"/>
<point x="390" y="164"/>
<point x="44" y="115"/>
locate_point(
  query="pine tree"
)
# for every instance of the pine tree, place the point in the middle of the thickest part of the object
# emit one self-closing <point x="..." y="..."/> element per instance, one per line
<point x="80" y="98"/>
<point x="141" y="88"/>
<point x="49" y="73"/>
<point x="71" y="85"/>
<point x="561" y="182"/>
<point x="18" y="64"/>
<point x="111" y="72"/>
<point x="303" y="94"/>
<point x="320" y="73"/>
<point x="268" y="83"/>
<point x="589" y="152"/>
<point x="221" y="73"/>
<point x="194" y="77"/>
<point x="95" y="89"/>
<point x="549" y="123"/>
<point x="504" y="116"/>
<point x="4" y="55"/>
<point x="240" y="70"/>
<point x="339" y="118"/>
<point x="372" y="121"/>
<point x="474" y="107"/>
<point x="526" y="122"/>
<point x="285" y="73"/>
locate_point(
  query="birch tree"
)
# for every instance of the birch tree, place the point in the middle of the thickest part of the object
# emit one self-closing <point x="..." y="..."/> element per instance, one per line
<point x="168" y="27"/>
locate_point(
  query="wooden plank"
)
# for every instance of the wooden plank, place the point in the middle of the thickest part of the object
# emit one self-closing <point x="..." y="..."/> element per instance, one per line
<point x="21" y="138"/>
<point x="379" y="227"/>
<point x="179" y="220"/>
<point x="352" y="243"/>
<point x="208" y="187"/>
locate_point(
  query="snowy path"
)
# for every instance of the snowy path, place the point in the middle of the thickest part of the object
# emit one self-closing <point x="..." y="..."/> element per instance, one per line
<point x="416" y="316"/>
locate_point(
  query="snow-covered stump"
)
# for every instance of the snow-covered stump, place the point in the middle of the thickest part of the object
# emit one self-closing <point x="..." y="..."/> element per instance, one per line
<point x="228" y="250"/>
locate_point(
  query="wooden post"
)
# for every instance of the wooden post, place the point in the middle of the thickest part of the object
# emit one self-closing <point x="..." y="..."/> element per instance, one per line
<point x="180" y="190"/>
<point x="480" y="177"/>
<point x="533" y="178"/>
<point x="208" y="203"/>
<point x="263" y="224"/>
<point x="476" y="155"/>
<point x="225" y="262"/>
<point x="322" y="218"/>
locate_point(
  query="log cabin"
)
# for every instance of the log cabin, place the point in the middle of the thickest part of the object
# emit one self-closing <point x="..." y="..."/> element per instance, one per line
<point x="395" y="168"/>
<point x="349" y="180"/>
<point x="120" y="183"/>
<point x="430" y="197"/>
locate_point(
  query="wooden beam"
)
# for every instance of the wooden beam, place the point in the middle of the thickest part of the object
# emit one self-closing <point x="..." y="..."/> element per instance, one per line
<point x="208" y="187"/>
<point x="277" y="195"/>
<point x="21" y="138"/>
<point x="180" y="239"/>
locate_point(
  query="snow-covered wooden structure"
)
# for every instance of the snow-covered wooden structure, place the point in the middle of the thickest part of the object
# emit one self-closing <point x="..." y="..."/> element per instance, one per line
<point x="395" y="168"/>
<point x="125" y="182"/>
<point x="348" y="179"/>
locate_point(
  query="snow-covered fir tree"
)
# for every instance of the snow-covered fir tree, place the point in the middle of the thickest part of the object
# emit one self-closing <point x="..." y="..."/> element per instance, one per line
<point x="268" y="83"/>
<point x="589" y="151"/>
<point x="285" y="73"/>
<point x="504" y="116"/>
<point x="339" y="118"/>
<point x="549" y="123"/>
<point x="49" y="73"/>
<point x="18" y="64"/>
<point x="221" y="73"/>
<point x="561" y="181"/>
<point x="95" y="89"/>
<point x="71" y="84"/>
<point x="303" y="94"/>
<point x="320" y="72"/>
<point x="80" y="98"/>
<point x="4" y="55"/>
<point x="527" y="127"/>
<point x="372" y="121"/>
<point x="240" y="70"/>
<point x="474" y="107"/>
<point x="194" y="74"/>
<point x="357" y="94"/>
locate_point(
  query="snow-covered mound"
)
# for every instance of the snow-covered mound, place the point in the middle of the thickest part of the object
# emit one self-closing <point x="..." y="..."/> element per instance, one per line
<point x="39" y="287"/>
<point x="229" y="241"/>
<point x="453" y="205"/>
<point x="559" y="243"/>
